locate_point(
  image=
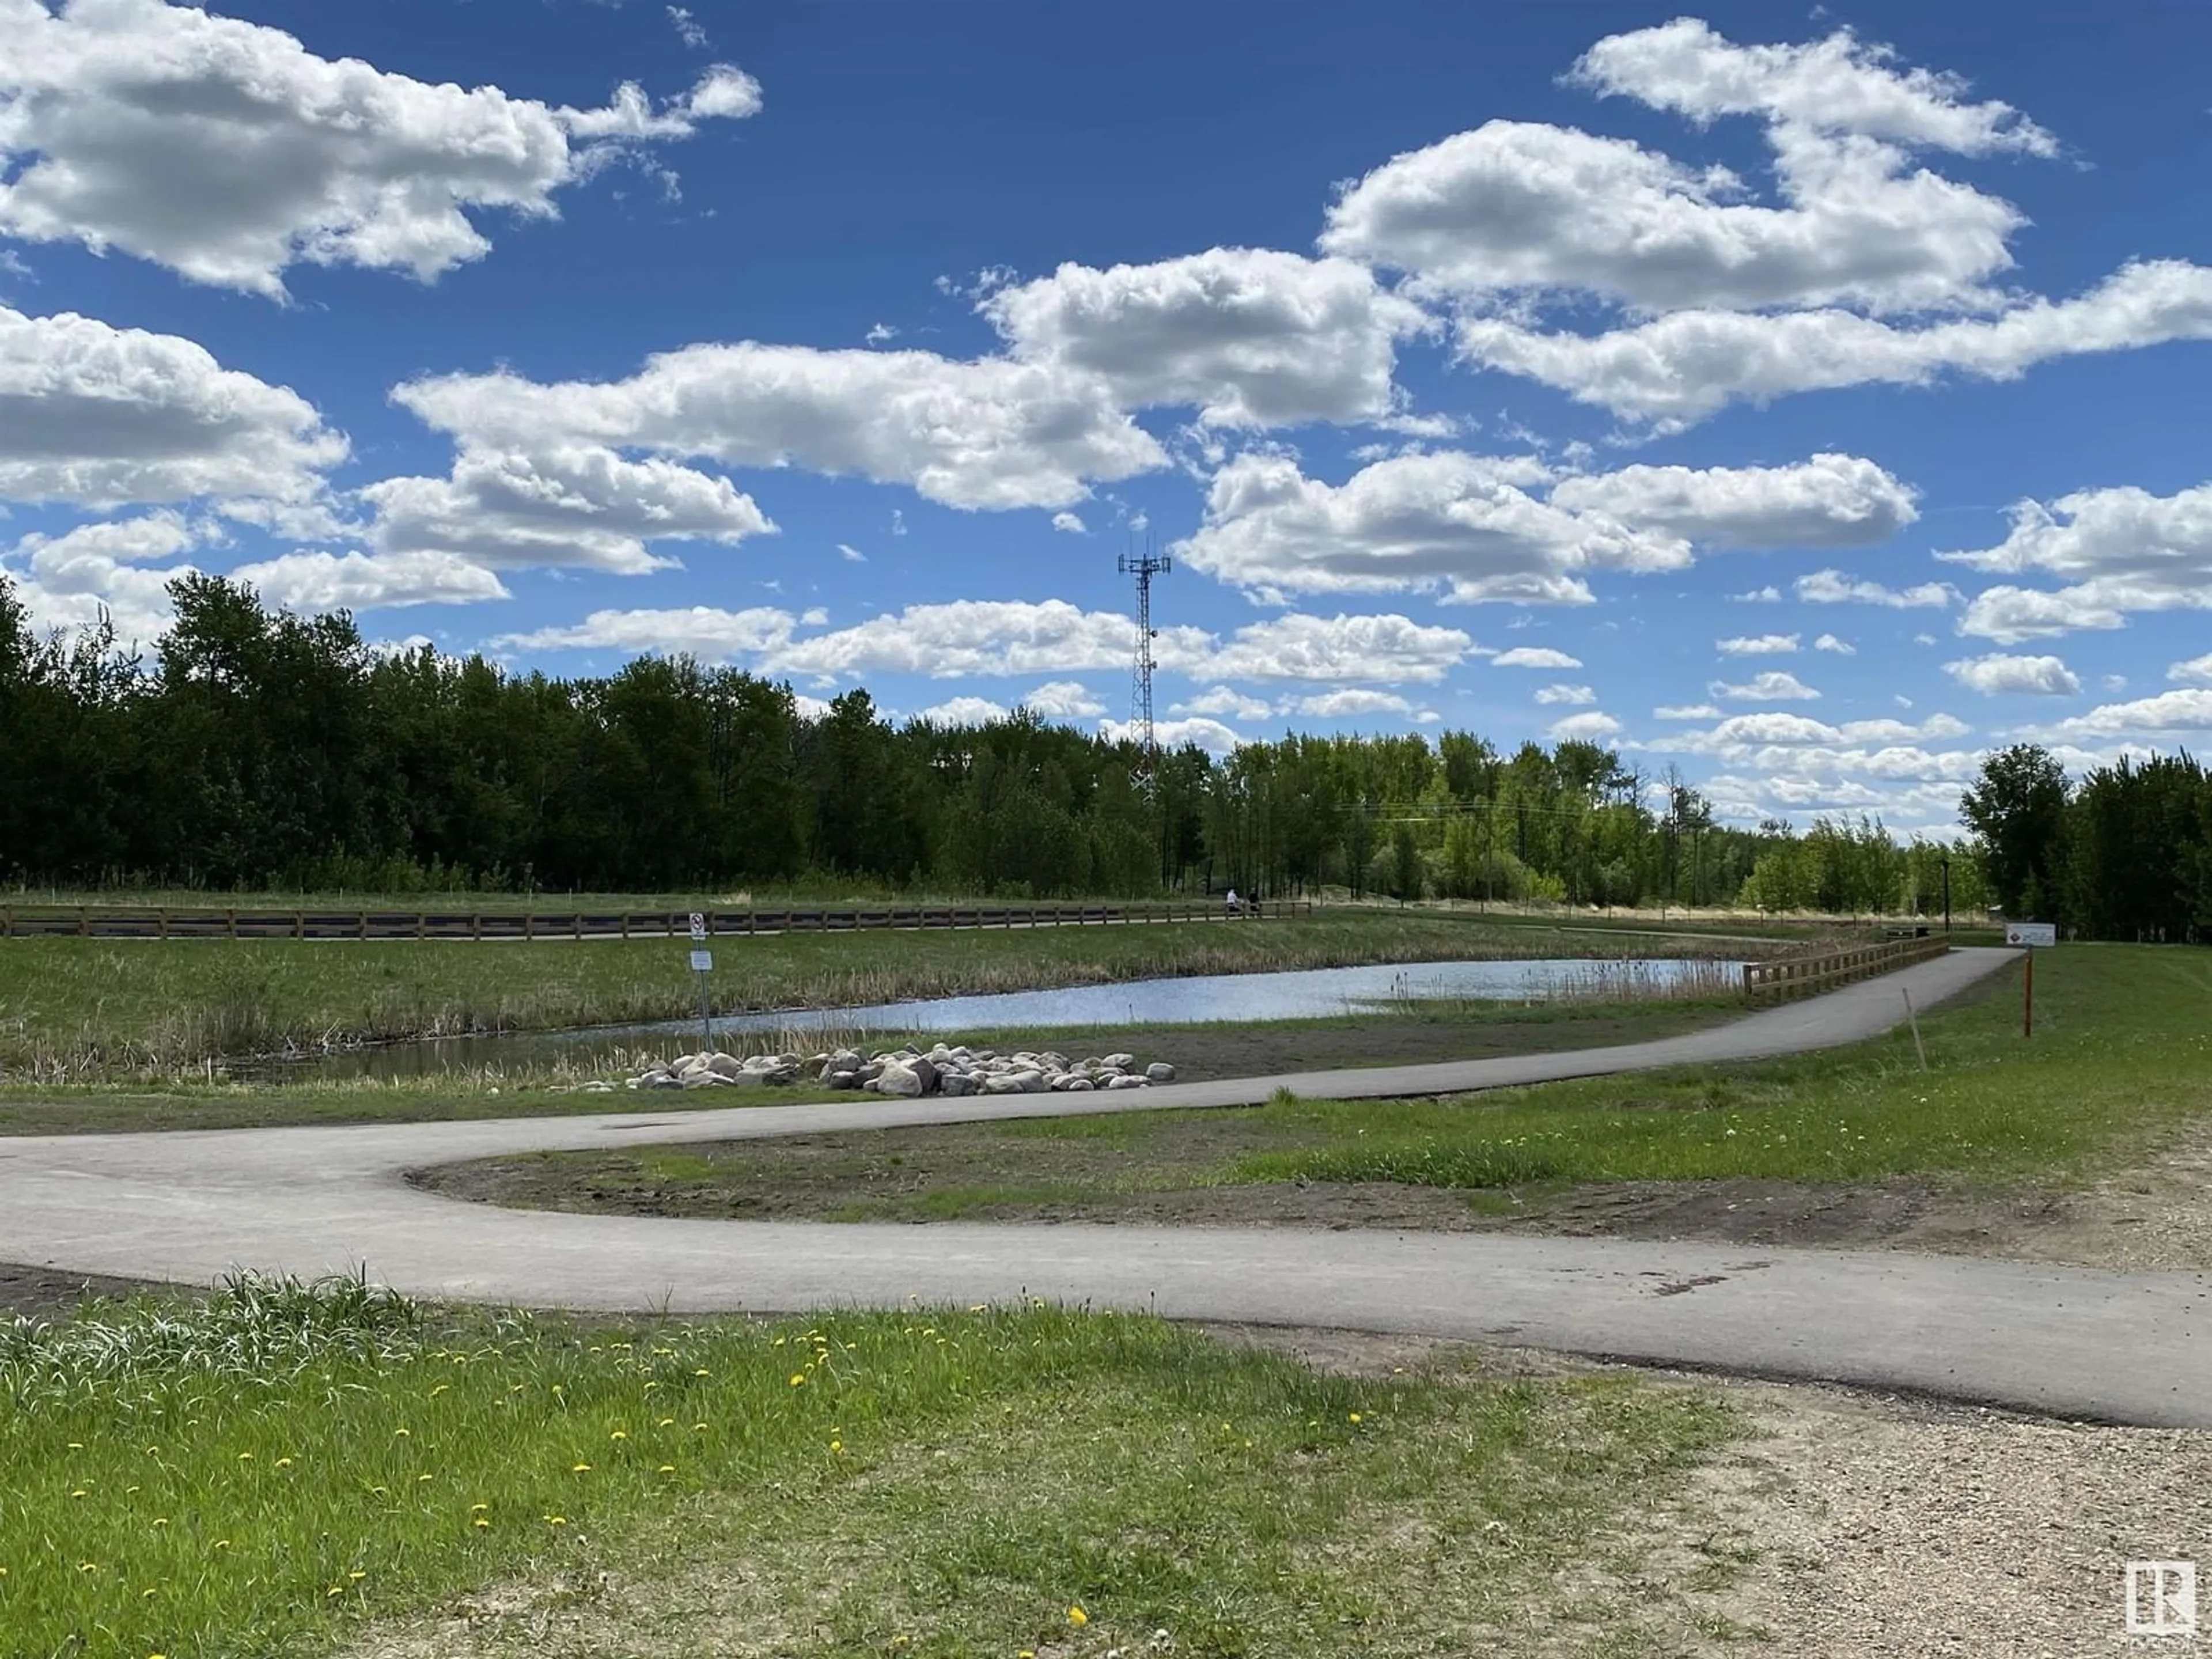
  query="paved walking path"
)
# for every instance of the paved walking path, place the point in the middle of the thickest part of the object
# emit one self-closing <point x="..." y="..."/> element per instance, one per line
<point x="2127" y="1347"/>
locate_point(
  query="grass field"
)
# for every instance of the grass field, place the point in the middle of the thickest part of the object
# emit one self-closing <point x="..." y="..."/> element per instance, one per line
<point x="295" y="1470"/>
<point x="2122" y="1053"/>
<point x="1420" y="1032"/>
<point x="118" y="1008"/>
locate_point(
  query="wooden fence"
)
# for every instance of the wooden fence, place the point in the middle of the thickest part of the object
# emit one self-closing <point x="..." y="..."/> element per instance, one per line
<point x="1806" y="975"/>
<point x="104" y="921"/>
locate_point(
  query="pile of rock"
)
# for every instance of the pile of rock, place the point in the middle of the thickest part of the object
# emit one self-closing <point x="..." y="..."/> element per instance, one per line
<point x="910" y="1071"/>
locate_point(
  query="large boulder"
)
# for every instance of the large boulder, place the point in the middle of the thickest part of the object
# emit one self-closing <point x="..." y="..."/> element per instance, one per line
<point x="1160" y="1072"/>
<point x="1125" y="1081"/>
<point x="926" y="1070"/>
<point x="957" y="1082"/>
<point x="898" y="1079"/>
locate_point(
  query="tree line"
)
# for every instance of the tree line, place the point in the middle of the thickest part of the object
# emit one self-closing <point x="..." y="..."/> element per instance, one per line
<point x="2124" y="853"/>
<point x="258" y="750"/>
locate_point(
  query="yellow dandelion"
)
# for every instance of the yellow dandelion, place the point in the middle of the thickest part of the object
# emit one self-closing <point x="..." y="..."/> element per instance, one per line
<point x="619" y="1434"/>
<point x="1077" y="1617"/>
<point x="665" y="1423"/>
<point x="283" y="1462"/>
<point x="76" y="1445"/>
<point x="148" y="1595"/>
<point x="478" y="1508"/>
<point x="480" y="1521"/>
<point x="420" y="1479"/>
<point x="698" y="1428"/>
<point x="160" y="1520"/>
<point x="581" y="1468"/>
<point x="245" y="1457"/>
<point x="798" y="1379"/>
<point x="222" y="1543"/>
<point x="403" y="1434"/>
<point x="668" y="1468"/>
<point x="439" y="1389"/>
<point x="356" y="1577"/>
<point x="1356" y="1418"/>
<point x="702" y="1371"/>
<point x="556" y="1520"/>
<point x="836" y="1445"/>
<point x="79" y="1492"/>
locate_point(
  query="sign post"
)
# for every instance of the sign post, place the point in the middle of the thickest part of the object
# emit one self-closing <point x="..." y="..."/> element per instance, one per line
<point x="2034" y="936"/>
<point x="702" y="963"/>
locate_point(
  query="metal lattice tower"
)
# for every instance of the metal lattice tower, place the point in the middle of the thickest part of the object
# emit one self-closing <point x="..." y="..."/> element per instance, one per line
<point x="1144" y="566"/>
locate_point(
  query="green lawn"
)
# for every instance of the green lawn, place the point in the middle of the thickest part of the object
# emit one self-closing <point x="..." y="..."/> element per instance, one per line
<point x="294" y="1471"/>
<point x="2122" y="1051"/>
<point x="2122" y="1055"/>
<point x="112" y="1007"/>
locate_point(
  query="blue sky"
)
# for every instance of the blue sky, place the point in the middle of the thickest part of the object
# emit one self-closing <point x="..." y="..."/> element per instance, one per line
<point x="1809" y="400"/>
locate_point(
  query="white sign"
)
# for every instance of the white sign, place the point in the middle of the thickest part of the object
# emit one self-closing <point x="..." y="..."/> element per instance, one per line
<point x="2031" y="932"/>
<point x="2161" y="1598"/>
<point x="702" y="961"/>
<point x="698" y="927"/>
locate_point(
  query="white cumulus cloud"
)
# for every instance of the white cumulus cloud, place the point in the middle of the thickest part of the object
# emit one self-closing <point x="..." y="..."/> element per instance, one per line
<point x="1225" y="700"/>
<point x="227" y="151"/>
<point x="1773" y="686"/>
<point x="565" y="504"/>
<point x="2117" y="550"/>
<point x="359" y="582"/>
<point x="1570" y="694"/>
<point x="1534" y="656"/>
<point x="1061" y="700"/>
<point x="987" y="433"/>
<point x="101" y="418"/>
<point x="1834" y="587"/>
<point x="2046" y="677"/>
<point x="1351" y="703"/>
<point x="1591" y="727"/>
<point x="1250" y="336"/>
<point x="1760" y="645"/>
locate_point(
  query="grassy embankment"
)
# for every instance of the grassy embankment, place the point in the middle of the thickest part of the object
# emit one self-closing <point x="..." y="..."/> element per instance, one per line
<point x="2122" y="1055"/>
<point x="82" y="1020"/>
<point x="298" y="1473"/>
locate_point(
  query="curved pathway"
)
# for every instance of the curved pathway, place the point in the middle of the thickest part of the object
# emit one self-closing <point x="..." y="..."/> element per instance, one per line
<point x="186" y="1206"/>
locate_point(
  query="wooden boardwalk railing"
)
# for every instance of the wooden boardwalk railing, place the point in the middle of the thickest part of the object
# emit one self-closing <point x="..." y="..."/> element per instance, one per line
<point x="106" y="921"/>
<point x="1806" y="975"/>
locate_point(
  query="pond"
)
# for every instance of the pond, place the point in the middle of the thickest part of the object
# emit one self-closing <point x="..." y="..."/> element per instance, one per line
<point x="1305" y="993"/>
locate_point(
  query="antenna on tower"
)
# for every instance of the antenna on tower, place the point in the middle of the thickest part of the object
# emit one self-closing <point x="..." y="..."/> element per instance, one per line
<point x="1144" y="566"/>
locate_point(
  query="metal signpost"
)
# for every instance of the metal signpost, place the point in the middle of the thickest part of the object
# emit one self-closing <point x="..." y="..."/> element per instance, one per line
<point x="702" y="963"/>
<point x="2034" y="936"/>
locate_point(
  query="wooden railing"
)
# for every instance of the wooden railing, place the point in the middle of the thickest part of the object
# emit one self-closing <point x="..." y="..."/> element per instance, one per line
<point x="104" y="921"/>
<point x="1807" y="975"/>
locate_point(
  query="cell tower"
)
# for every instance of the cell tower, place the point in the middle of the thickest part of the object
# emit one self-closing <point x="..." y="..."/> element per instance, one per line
<point x="1144" y="566"/>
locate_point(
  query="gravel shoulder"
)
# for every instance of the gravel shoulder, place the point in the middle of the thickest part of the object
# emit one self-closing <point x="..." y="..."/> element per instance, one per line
<point x="1854" y="1525"/>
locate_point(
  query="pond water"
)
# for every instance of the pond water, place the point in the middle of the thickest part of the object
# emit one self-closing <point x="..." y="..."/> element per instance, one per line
<point x="1305" y="993"/>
